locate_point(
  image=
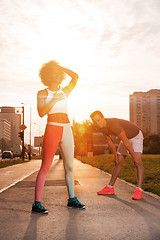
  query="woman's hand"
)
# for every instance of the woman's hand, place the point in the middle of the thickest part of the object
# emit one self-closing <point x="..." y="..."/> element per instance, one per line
<point x="58" y="96"/>
<point x="43" y="107"/>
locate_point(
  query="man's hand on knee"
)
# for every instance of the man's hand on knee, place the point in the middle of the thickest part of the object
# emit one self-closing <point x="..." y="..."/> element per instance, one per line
<point x="116" y="161"/>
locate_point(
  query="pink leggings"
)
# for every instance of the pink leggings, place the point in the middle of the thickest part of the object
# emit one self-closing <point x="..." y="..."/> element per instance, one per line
<point x="55" y="135"/>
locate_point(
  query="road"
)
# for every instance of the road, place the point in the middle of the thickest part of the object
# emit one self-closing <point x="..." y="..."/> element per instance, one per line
<point x="115" y="217"/>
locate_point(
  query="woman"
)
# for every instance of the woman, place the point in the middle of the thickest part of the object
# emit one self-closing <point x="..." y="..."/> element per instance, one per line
<point x="53" y="102"/>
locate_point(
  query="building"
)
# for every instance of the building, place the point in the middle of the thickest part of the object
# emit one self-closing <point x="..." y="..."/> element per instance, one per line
<point x="9" y="114"/>
<point x="38" y="140"/>
<point x="5" y="129"/>
<point x="99" y="144"/>
<point x="145" y="110"/>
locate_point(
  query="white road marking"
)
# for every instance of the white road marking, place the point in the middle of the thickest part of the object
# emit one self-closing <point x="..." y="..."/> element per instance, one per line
<point x="19" y="180"/>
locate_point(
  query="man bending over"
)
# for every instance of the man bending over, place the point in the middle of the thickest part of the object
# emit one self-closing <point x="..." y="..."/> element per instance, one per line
<point x="131" y="142"/>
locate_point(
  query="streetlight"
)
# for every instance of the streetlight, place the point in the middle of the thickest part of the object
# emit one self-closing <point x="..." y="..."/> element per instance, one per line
<point x="30" y="124"/>
<point x="23" y="127"/>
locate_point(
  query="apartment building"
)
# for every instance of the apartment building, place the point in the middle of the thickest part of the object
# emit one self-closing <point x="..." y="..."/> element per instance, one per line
<point x="9" y="114"/>
<point x="145" y="110"/>
<point x="5" y="129"/>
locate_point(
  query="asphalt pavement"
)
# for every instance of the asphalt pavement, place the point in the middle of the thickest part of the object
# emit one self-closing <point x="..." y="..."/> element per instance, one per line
<point x="115" y="217"/>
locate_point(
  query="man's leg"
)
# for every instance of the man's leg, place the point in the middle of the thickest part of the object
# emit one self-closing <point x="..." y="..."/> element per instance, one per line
<point x="117" y="169"/>
<point x="137" y="144"/>
<point x="108" y="189"/>
<point x="140" y="172"/>
<point x="139" y="168"/>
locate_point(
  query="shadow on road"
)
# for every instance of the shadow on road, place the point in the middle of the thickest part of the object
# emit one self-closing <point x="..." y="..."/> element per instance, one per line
<point x="72" y="231"/>
<point x="31" y="232"/>
<point x="32" y="229"/>
<point x="148" y="215"/>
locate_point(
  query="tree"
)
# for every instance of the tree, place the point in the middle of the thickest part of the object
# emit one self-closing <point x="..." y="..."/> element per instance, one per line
<point x="82" y="133"/>
<point x="152" y="144"/>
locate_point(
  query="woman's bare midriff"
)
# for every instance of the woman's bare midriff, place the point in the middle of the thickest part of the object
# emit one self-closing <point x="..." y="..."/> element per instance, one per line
<point x="58" y="117"/>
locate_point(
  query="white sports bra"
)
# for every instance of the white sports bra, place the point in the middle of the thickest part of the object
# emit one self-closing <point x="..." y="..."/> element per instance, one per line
<point x="60" y="106"/>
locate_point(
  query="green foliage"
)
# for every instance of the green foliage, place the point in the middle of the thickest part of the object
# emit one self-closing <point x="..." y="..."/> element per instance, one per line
<point x="82" y="133"/>
<point x="83" y="137"/>
<point x="152" y="144"/>
<point x="6" y="163"/>
<point x="151" y="163"/>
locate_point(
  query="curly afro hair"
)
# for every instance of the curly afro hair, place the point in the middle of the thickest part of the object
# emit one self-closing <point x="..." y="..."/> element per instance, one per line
<point x="50" y="71"/>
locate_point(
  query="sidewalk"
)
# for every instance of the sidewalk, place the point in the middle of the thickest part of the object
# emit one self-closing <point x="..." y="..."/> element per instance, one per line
<point x="9" y="176"/>
<point x="115" y="217"/>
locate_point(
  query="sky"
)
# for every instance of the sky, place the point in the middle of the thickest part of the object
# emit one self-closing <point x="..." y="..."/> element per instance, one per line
<point x="112" y="45"/>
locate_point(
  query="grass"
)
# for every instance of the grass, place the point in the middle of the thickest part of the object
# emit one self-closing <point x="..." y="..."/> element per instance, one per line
<point x="151" y="182"/>
<point x="9" y="162"/>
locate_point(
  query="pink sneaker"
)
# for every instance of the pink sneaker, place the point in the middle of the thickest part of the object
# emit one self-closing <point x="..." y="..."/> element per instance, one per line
<point x="137" y="195"/>
<point x="106" y="190"/>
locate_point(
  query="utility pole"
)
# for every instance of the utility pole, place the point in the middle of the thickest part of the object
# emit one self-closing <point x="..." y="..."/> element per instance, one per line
<point x="30" y="125"/>
<point x="23" y="135"/>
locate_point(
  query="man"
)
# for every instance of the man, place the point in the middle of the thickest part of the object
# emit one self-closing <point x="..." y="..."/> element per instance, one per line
<point x="131" y="142"/>
<point x="29" y="152"/>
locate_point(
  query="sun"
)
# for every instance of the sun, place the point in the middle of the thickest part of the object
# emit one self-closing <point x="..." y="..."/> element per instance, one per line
<point x="80" y="105"/>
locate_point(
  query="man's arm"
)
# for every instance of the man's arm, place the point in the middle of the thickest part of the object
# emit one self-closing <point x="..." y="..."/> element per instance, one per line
<point x="128" y="145"/>
<point x="112" y="148"/>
